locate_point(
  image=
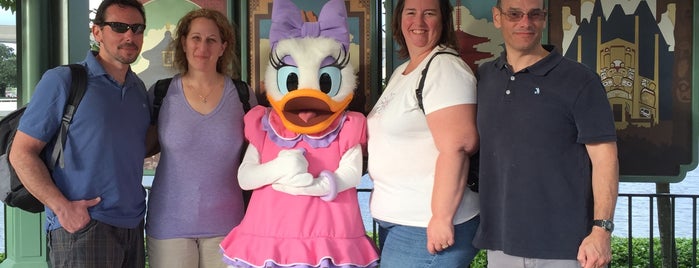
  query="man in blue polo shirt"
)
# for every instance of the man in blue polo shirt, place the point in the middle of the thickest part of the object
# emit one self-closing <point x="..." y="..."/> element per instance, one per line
<point x="548" y="166"/>
<point x="94" y="204"/>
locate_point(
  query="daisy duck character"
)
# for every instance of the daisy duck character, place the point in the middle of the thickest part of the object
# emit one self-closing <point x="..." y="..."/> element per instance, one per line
<point x="304" y="159"/>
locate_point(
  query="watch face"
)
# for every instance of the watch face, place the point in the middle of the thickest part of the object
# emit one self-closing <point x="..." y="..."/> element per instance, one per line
<point x="606" y="224"/>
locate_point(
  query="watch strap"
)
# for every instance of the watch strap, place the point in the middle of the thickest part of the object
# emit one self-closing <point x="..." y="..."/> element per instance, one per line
<point x="607" y="225"/>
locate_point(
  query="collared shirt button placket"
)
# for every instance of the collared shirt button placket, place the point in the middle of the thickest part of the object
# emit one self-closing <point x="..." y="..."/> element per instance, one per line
<point x="507" y="91"/>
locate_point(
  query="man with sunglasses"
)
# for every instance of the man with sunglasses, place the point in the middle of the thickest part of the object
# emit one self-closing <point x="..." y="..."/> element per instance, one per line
<point x="95" y="201"/>
<point x="548" y="166"/>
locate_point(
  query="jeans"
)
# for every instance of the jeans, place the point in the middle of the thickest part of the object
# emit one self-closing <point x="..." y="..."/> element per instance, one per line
<point x="406" y="246"/>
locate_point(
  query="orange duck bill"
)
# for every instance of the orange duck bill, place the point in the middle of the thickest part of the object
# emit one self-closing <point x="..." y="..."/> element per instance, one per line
<point x="308" y="111"/>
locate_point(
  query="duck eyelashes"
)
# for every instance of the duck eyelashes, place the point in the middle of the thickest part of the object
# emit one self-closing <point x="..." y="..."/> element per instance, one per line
<point x="341" y="60"/>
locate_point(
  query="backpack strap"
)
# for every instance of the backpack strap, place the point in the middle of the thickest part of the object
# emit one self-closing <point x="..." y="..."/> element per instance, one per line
<point x="473" y="176"/>
<point x="78" y="86"/>
<point x="244" y="96"/>
<point x="418" y="90"/>
<point x="161" y="87"/>
<point x="243" y="93"/>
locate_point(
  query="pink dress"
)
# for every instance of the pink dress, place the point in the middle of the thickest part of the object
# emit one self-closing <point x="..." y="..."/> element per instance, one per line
<point x="283" y="230"/>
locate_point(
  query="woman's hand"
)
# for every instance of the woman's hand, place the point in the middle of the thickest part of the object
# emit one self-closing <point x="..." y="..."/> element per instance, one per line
<point x="440" y="235"/>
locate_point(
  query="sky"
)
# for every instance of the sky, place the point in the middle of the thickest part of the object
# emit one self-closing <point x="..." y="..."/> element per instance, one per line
<point x="7" y="17"/>
<point x="94" y="4"/>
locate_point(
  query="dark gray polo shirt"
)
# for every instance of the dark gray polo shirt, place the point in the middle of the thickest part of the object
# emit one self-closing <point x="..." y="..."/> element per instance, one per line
<point x="536" y="191"/>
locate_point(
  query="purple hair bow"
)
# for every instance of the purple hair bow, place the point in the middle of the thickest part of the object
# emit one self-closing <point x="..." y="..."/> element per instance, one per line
<point x="287" y="22"/>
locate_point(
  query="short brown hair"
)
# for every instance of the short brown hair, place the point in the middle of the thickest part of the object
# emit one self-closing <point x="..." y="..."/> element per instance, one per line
<point x="99" y="16"/>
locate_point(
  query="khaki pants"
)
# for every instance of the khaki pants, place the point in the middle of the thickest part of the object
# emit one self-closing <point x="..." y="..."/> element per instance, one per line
<point x="185" y="253"/>
<point x="498" y="259"/>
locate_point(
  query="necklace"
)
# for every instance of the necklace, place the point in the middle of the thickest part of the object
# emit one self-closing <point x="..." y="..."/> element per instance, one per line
<point x="201" y="87"/>
<point x="204" y="98"/>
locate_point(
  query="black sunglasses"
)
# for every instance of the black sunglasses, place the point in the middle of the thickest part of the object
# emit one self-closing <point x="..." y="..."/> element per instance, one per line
<point x="516" y="15"/>
<point x="121" y="27"/>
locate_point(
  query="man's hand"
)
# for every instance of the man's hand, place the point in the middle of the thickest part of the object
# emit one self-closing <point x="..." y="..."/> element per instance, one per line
<point x="595" y="250"/>
<point x="74" y="216"/>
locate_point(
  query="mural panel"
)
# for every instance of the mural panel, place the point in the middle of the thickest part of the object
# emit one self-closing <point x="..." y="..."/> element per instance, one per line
<point x="644" y="61"/>
<point x="644" y="58"/>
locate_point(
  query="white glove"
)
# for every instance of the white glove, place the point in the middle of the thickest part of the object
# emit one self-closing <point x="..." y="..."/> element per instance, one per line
<point x="298" y="180"/>
<point x="328" y="184"/>
<point x="289" y="165"/>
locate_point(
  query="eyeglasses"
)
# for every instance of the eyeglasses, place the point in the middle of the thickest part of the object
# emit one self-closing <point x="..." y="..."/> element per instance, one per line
<point x="121" y="27"/>
<point x="516" y="15"/>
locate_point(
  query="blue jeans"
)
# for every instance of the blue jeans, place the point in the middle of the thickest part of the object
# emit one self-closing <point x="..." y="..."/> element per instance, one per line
<point x="406" y="246"/>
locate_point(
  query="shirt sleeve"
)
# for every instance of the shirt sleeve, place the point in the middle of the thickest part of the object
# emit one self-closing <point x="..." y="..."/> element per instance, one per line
<point x="42" y="117"/>
<point x="449" y="82"/>
<point x="593" y="115"/>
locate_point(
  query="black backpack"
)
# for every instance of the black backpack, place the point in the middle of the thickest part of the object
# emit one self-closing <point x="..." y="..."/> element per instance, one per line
<point x="160" y="90"/>
<point x="473" y="178"/>
<point x="12" y="191"/>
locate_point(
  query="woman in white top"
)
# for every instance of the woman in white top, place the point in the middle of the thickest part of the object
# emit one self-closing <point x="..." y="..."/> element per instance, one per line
<point x="419" y="160"/>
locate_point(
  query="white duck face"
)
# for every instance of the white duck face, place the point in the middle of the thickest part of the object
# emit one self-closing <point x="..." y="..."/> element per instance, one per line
<point x="309" y="82"/>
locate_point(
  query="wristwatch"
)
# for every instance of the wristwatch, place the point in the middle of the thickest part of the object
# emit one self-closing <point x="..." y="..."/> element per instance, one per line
<point x="607" y="225"/>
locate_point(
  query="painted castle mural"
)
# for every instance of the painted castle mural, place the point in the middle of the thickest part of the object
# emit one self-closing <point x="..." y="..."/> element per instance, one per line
<point x="643" y="57"/>
<point x="628" y="61"/>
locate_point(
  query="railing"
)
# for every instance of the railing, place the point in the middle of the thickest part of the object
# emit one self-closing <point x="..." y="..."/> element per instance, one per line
<point x="653" y="201"/>
<point x="627" y="200"/>
<point x="652" y="245"/>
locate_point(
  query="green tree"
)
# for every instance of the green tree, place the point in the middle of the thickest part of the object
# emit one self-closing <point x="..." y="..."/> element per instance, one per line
<point x="8" y="68"/>
<point x="8" y="5"/>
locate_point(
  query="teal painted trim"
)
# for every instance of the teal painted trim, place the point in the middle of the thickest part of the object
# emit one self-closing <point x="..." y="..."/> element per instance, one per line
<point x="375" y="63"/>
<point x="695" y="94"/>
<point x="77" y="37"/>
<point x="244" y="33"/>
<point x="33" y="19"/>
<point x="390" y="46"/>
<point x="25" y="240"/>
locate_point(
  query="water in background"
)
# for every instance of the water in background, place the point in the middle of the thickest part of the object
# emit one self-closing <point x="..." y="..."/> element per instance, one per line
<point x="640" y="207"/>
<point x="640" y="219"/>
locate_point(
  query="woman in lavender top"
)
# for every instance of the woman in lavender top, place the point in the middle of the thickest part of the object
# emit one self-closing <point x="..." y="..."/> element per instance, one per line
<point x="195" y="199"/>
